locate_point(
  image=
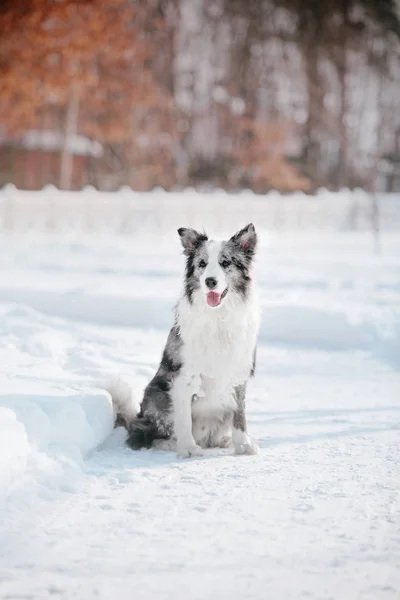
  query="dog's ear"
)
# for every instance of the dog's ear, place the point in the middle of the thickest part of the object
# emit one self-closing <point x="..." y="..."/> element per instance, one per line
<point x="191" y="239"/>
<point x="246" y="239"/>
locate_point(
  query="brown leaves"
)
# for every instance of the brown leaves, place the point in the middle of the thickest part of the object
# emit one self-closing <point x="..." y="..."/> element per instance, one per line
<point x="98" y="45"/>
<point x="262" y="153"/>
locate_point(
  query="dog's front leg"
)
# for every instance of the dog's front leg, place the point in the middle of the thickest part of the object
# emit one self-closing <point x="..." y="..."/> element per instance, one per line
<point x="241" y="441"/>
<point x="182" y="393"/>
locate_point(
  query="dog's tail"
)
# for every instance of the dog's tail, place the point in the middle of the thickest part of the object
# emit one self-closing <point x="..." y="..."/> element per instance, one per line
<point x="125" y="408"/>
<point x="141" y="431"/>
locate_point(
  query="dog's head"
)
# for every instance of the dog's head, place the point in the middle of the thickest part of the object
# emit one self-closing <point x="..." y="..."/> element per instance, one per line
<point x="216" y="269"/>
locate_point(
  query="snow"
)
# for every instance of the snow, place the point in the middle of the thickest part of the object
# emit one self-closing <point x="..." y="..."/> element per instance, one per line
<point x="54" y="140"/>
<point x="316" y="515"/>
<point x="130" y="212"/>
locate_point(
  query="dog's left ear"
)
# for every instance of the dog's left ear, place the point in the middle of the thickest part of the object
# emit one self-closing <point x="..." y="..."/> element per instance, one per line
<point x="191" y="239"/>
<point x="246" y="239"/>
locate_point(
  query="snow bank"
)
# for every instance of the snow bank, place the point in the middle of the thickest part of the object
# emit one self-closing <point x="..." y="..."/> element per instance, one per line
<point x="54" y="140"/>
<point x="44" y="438"/>
<point x="14" y="450"/>
<point x="315" y="327"/>
<point x="330" y="330"/>
<point x="99" y="309"/>
<point x="130" y="212"/>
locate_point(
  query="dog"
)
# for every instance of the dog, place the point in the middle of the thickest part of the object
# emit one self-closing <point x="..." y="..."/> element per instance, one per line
<point x="197" y="397"/>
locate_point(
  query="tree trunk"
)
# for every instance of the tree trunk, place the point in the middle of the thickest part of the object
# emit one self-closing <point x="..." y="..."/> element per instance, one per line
<point x="312" y="150"/>
<point x="310" y="44"/>
<point x="374" y="172"/>
<point x="343" y="158"/>
<point x="71" y="126"/>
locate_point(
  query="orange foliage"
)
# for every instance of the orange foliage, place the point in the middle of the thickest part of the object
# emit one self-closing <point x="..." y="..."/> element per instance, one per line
<point x="95" y="45"/>
<point x="262" y="155"/>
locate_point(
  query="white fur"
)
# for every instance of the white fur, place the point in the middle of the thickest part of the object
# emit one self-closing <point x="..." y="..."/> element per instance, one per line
<point x="213" y="269"/>
<point x="218" y="346"/>
<point x="242" y="443"/>
<point x="122" y="399"/>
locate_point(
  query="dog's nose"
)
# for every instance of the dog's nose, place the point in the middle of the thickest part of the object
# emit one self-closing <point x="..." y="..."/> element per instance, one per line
<point x="211" y="283"/>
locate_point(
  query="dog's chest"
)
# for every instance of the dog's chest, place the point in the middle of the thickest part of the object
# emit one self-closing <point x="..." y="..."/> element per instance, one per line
<point x="220" y="349"/>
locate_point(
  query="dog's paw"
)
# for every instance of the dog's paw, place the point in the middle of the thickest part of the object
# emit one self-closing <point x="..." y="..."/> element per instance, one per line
<point x="224" y="442"/>
<point x="243" y="444"/>
<point x="247" y="448"/>
<point x="188" y="451"/>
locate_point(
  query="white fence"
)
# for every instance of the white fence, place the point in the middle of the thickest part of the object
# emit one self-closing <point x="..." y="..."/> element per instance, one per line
<point x="127" y="211"/>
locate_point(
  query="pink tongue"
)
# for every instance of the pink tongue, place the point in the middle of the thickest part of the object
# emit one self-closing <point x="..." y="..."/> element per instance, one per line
<point x="213" y="298"/>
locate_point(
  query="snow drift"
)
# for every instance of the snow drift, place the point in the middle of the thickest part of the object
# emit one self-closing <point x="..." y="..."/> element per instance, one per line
<point x="46" y="437"/>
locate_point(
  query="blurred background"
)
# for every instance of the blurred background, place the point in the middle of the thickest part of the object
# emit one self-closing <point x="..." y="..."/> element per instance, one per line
<point x="235" y="94"/>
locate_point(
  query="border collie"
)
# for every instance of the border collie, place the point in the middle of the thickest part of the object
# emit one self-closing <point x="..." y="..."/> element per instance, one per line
<point x="197" y="397"/>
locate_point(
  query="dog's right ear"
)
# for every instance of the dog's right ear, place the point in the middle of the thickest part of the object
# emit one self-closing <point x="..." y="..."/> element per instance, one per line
<point x="191" y="239"/>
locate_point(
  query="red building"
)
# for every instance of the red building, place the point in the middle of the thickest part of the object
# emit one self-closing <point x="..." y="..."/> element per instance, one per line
<point x="35" y="159"/>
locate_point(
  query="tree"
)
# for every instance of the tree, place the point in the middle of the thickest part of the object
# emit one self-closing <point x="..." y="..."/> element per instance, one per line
<point x="333" y="30"/>
<point x="88" y="59"/>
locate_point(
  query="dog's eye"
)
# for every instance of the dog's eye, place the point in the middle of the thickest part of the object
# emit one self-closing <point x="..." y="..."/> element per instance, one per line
<point x="202" y="264"/>
<point x="225" y="264"/>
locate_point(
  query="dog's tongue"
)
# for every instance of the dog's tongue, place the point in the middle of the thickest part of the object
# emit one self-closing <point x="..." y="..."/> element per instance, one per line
<point x="213" y="298"/>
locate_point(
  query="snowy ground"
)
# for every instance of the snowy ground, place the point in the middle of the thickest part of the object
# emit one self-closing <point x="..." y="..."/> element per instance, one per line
<point x="316" y="515"/>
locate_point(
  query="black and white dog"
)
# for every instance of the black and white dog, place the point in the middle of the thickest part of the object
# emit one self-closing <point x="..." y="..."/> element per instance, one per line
<point x="197" y="397"/>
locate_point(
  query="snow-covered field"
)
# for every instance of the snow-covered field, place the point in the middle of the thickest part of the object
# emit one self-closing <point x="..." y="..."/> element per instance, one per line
<point x="316" y="515"/>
